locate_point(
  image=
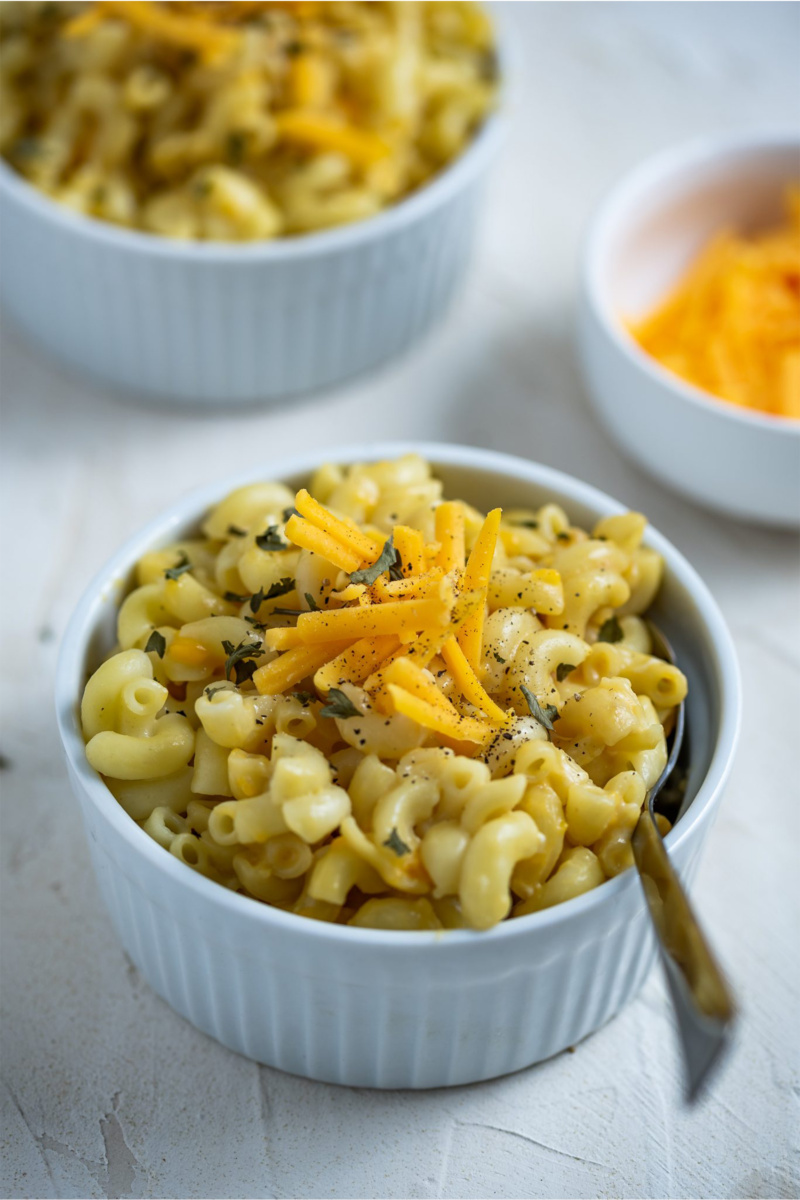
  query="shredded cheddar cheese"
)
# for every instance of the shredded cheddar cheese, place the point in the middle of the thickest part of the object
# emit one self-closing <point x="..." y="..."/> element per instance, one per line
<point x="293" y="666"/>
<point x="438" y="717"/>
<point x="317" y="132"/>
<point x="732" y="326"/>
<point x="194" y="33"/>
<point x="476" y="576"/>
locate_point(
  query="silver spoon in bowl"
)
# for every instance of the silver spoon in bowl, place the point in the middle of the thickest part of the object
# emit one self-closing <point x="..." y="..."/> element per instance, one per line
<point x="701" y="998"/>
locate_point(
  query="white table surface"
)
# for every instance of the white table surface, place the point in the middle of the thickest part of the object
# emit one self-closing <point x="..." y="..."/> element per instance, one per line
<point x="106" y="1091"/>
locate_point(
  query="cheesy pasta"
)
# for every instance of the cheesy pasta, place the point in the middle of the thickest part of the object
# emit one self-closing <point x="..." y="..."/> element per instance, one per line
<point x="367" y="704"/>
<point x="239" y="121"/>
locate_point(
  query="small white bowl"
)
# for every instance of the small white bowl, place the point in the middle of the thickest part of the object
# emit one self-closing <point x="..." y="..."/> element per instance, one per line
<point x="647" y="231"/>
<point x="368" y="1007"/>
<point x="221" y="322"/>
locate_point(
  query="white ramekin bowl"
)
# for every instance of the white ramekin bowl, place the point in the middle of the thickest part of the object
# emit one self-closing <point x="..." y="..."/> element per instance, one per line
<point x="374" y="1008"/>
<point x="645" y="234"/>
<point x="217" y="322"/>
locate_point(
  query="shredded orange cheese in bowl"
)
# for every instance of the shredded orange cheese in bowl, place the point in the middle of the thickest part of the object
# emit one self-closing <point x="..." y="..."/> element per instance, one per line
<point x="732" y="326"/>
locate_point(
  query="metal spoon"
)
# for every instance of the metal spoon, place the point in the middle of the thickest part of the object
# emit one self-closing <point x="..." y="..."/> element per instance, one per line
<point x="701" y="998"/>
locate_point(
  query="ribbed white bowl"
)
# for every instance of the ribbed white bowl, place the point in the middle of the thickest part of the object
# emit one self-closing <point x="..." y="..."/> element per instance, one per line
<point x="374" y="1008"/>
<point x="225" y="323"/>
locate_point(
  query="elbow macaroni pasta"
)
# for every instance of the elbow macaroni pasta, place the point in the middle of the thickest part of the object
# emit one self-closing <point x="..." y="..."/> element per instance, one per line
<point x="364" y="704"/>
<point x="240" y="121"/>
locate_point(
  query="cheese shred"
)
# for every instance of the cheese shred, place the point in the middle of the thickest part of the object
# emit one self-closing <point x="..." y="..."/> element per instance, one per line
<point x="732" y="326"/>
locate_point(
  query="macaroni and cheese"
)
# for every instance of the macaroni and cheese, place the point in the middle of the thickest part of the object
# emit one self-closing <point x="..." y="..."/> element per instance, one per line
<point x="364" y="703"/>
<point x="239" y="121"/>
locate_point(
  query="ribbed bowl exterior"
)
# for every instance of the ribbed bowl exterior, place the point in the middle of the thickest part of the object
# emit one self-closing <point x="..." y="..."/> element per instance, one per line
<point x="382" y="1016"/>
<point x="372" y="1008"/>
<point x="201" y="324"/>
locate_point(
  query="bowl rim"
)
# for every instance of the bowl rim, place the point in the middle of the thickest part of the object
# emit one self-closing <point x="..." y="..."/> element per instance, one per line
<point x="641" y="181"/>
<point x="433" y="194"/>
<point x="70" y="677"/>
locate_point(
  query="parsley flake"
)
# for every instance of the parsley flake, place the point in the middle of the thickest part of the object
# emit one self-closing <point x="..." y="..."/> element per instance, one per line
<point x="387" y="560"/>
<point x="180" y="567"/>
<point x="235" y="598"/>
<point x="235" y="531"/>
<point x="305" y="697"/>
<point x="241" y="659"/>
<point x="497" y="657"/>
<point x="212" y="691"/>
<point x="396" y="843"/>
<point x="156" y="642"/>
<point x="525" y="524"/>
<point x="280" y="588"/>
<point x="563" y="536"/>
<point x="202" y="188"/>
<point x="236" y="146"/>
<point x="563" y="670"/>
<point x="339" y="705"/>
<point x="271" y="539"/>
<point x="545" y="715"/>
<point x="27" y="148"/>
<point x="311" y="602"/>
<point x="610" y="631"/>
<point x="291" y="511"/>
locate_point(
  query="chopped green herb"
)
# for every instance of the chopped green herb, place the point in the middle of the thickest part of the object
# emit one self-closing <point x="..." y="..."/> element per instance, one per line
<point x="291" y="511"/>
<point x="396" y="843"/>
<point x="289" y="612"/>
<point x="293" y="49"/>
<point x="271" y="540"/>
<point x="235" y="598"/>
<point x="545" y="715"/>
<point x="180" y="567"/>
<point x="563" y="670"/>
<point x="305" y="697"/>
<point x="212" y="691"/>
<point x="339" y="705"/>
<point x="26" y="148"/>
<point x="497" y="657"/>
<point x="252" y="621"/>
<point x="241" y="659"/>
<point x="278" y="589"/>
<point x="235" y="531"/>
<point x="386" y="560"/>
<point x="156" y="642"/>
<point x="236" y="146"/>
<point x="610" y="631"/>
<point x="311" y="602"/>
<point x="489" y="65"/>
<point x="526" y="524"/>
<point x="563" y="536"/>
<point x="202" y="188"/>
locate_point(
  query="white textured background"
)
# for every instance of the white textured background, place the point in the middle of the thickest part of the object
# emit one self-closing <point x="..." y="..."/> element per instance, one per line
<point x="108" y="1093"/>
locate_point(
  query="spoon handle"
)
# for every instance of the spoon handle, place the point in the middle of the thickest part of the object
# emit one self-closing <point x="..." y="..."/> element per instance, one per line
<point x="703" y="1003"/>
